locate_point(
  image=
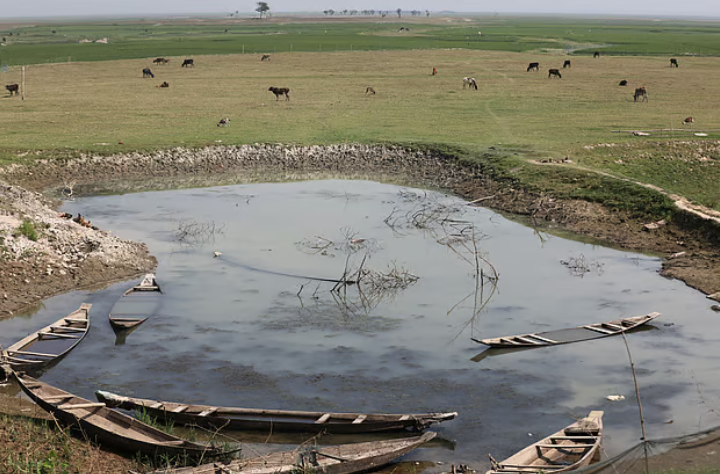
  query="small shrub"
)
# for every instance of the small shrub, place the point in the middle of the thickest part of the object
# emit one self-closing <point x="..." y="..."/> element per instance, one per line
<point x="27" y="228"/>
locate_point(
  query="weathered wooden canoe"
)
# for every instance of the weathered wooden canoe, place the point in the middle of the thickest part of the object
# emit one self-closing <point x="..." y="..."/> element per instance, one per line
<point x="48" y="345"/>
<point x="571" y="448"/>
<point x="342" y="459"/>
<point x="109" y="427"/>
<point x="273" y="420"/>
<point x="566" y="336"/>
<point x="136" y="304"/>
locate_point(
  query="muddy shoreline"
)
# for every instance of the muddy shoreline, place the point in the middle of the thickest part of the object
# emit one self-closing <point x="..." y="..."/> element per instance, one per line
<point x="91" y="258"/>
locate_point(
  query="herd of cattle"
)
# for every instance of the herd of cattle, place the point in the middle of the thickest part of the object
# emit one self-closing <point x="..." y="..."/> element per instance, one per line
<point x="469" y="82"/>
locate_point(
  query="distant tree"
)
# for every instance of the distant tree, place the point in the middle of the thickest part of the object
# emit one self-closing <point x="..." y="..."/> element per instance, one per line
<point x="262" y="8"/>
<point x="399" y="12"/>
<point x="427" y="12"/>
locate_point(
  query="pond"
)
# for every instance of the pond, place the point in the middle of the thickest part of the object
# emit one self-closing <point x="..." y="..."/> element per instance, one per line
<point x="254" y="327"/>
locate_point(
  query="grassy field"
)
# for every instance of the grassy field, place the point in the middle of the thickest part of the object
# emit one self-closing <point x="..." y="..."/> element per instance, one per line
<point x="514" y="117"/>
<point x="51" y="42"/>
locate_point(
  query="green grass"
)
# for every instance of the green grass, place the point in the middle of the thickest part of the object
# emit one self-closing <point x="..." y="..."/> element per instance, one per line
<point x="58" y="42"/>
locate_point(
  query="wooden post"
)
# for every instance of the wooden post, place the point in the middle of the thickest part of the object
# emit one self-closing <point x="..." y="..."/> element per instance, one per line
<point x="637" y="395"/>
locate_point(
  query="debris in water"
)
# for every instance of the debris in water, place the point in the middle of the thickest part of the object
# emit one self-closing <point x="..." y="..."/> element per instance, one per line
<point x="216" y="254"/>
<point x="615" y="398"/>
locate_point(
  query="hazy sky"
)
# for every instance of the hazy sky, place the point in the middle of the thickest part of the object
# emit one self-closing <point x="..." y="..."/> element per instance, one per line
<point x="649" y="8"/>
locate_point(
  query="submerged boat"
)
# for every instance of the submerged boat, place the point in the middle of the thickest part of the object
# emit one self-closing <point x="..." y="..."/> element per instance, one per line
<point x="274" y="420"/>
<point x="342" y="459"/>
<point x="566" y="336"/>
<point x="48" y="345"/>
<point x="110" y="427"/>
<point x="136" y="304"/>
<point x="570" y="448"/>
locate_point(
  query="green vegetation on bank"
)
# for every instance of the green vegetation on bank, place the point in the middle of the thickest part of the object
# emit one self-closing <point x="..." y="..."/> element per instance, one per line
<point x="52" y="42"/>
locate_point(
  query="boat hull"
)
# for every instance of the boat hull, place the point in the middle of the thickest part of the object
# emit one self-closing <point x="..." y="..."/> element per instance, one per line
<point x="242" y="419"/>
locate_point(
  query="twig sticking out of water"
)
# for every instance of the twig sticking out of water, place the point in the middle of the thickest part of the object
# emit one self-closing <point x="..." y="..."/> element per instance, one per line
<point x="637" y="395"/>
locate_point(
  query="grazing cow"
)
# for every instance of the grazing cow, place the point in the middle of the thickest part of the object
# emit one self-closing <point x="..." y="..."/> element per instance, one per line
<point x="278" y="91"/>
<point x="434" y="73"/>
<point x="370" y="90"/>
<point x="623" y="82"/>
<point x="533" y="67"/>
<point x="688" y="121"/>
<point x="596" y="54"/>
<point x="188" y="63"/>
<point x="470" y="82"/>
<point x="13" y="89"/>
<point x="164" y="84"/>
<point x="161" y="61"/>
<point x="148" y="73"/>
<point x="554" y="73"/>
<point x="566" y="64"/>
<point x="224" y="122"/>
<point x="673" y="62"/>
<point x="641" y="92"/>
<point x="265" y="57"/>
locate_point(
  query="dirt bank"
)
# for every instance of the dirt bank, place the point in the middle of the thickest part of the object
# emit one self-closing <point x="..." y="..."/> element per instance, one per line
<point x="67" y="256"/>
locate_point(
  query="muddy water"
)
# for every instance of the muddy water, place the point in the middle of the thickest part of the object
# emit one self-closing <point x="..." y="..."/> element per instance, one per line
<point x="253" y="328"/>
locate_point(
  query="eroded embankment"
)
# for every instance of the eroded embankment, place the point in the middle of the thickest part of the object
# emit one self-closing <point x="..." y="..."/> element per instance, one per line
<point x="67" y="256"/>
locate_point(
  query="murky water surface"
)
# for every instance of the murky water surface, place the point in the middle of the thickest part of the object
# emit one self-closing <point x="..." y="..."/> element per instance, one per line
<point x="236" y="330"/>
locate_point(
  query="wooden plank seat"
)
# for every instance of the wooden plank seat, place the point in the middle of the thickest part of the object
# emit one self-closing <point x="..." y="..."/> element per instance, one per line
<point x="526" y="340"/>
<point x="599" y="329"/>
<point x="613" y="326"/>
<point x="209" y="411"/>
<point x="70" y="406"/>
<point x="58" y="334"/>
<point x="359" y="419"/>
<point x="156" y="405"/>
<point x="67" y="328"/>
<point x="543" y="339"/>
<point x="322" y="419"/>
<point x="37" y="354"/>
<point x="529" y="466"/>
<point x="76" y="320"/>
<point x="180" y="409"/>
<point x="580" y="437"/>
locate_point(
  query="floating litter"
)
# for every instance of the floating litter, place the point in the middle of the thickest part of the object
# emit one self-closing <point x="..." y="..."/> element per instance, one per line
<point x="615" y="398"/>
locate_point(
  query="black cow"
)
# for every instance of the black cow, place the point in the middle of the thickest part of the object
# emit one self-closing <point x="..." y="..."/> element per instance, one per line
<point x="596" y="54"/>
<point x="673" y="62"/>
<point x="148" y="73"/>
<point x="641" y="92"/>
<point x="161" y="61"/>
<point x="188" y="63"/>
<point x="533" y="67"/>
<point x="566" y="64"/>
<point x="13" y="89"/>
<point x="265" y="57"/>
<point x="279" y="91"/>
<point x="623" y="82"/>
<point x="554" y="73"/>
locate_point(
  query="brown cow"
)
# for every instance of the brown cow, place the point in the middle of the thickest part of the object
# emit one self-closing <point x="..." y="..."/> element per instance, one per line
<point x="641" y="92"/>
<point x="164" y="84"/>
<point x="161" y="61"/>
<point x="278" y="91"/>
<point x="566" y="63"/>
<point x="13" y="89"/>
<point x="265" y="57"/>
<point x="370" y="90"/>
<point x="554" y="73"/>
<point x="533" y="67"/>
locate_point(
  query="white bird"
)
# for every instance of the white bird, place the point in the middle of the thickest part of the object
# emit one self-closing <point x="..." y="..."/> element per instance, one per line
<point x="216" y="254"/>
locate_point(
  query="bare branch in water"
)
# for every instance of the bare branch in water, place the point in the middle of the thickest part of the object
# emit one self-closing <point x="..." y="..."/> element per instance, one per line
<point x="193" y="233"/>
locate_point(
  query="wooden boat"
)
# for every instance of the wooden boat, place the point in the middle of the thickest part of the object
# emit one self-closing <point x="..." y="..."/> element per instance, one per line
<point x="51" y="343"/>
<point x="109" y="427"/>
<point x="566" y="336"/>
<point x="342" y="459"/>
<point x="273" y="420"/>
<point x="136" y="304"/>
<point x="570" y="448"/>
